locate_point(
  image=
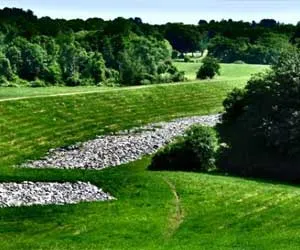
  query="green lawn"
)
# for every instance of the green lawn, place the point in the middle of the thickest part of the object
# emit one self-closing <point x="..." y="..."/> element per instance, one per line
<point x="228" y="71"/>
<point x="212" y="212"/>
<point x="154" y="210"/>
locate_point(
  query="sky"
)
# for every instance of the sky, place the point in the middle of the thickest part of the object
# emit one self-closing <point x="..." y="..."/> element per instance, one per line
<point x="163" y="11"/>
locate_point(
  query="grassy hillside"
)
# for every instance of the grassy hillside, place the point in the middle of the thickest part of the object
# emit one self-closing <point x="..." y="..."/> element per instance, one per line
<point x="228" y="71"/>
<point x="154" y="210"/>
<point x="30" y="127"/>
<point x="157" y="210"/>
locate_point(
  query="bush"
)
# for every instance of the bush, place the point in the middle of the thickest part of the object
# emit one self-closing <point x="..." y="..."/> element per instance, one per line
<point x="146" y="82"/>
<point x="209" y="68"/>
<point x="74" y="81"/>
<point x="239" y="62"/>
<point x="179" y="77"/>
<point x="112" y="75"/>
<point x="261" y="124"/>
<point x="52" y="74"/>
<point x="195" y="151"/>
<point x="37" y="84"/>
<point x="187" y="59"/>
<point x="4" y="82"/>
<point x="5" y="68"/>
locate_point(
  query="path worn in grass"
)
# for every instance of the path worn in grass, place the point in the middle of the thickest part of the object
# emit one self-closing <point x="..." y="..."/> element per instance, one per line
<point x="177" y="213"/>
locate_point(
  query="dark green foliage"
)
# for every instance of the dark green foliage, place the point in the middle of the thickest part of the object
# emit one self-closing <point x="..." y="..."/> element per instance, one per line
<point x="52" y="74"/>
<point x="80" y="52"/>
<point x="146" y="61"/>
<point x="234" y="104"/>
<point x="261" y="124"/>
<point x="227" y="40"/>
<point x="5" y="68"/>
<point x="14" y="55"/>
<point x="209" y="68"/>
<point x="187" y="58"/>
<point x="33" y="61"/>
<point x="37" y="84"/>
<point x="119" y="53"/>
<point x="265" y="50"/>
<point x="195" y="151"/>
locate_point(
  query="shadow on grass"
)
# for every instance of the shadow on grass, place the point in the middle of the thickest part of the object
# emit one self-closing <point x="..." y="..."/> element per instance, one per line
<point x="273" y="181"/>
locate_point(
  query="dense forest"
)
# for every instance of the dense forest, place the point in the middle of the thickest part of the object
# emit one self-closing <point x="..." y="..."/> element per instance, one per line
<point x="43" y="51"/>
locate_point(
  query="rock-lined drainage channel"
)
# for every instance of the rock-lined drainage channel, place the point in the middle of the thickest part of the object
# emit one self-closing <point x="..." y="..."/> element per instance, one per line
<point x="102" y="152"/>
<point x="121" y="148"/>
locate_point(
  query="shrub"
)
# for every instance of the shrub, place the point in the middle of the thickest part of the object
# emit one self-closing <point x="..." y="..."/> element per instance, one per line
<point x="5" y="68"/>
<point x="195" y="151"/>
<point x="112" y="76"/>
<point x="145" y="82"/>
<point x="234" y="104"/>
<point x="175" y="54"/>
<point x="74" y="80"/>
<point x="179" y="77"/>
<point x="209" y="68"/>
<point x="187" y="59"/>
<point x="4" y="82"/>
<point x="53" y="74"/>
<point x="261" y="124"/>
<point x="239" y="62"/>
<point x="37" y="84"/>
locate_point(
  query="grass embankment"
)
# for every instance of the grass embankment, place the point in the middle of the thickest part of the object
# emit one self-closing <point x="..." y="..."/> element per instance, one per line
<point x="154" y="210"/>
<point x="30" y="127"/>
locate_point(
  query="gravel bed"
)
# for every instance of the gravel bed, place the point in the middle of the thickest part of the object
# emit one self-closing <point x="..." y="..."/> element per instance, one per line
<point x="46" y="193"/>
<point x="120" y="148"/>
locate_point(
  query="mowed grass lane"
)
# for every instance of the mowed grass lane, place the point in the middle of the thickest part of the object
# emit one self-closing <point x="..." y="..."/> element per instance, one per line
<point x="30" y="127"/>
<point x="21" y="92"/>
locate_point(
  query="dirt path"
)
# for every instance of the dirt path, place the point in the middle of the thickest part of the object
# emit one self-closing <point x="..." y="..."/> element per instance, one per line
<point x="177" y="216"/>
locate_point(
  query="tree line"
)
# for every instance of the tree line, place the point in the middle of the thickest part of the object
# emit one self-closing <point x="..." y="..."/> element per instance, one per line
<point x="126" y="51"/>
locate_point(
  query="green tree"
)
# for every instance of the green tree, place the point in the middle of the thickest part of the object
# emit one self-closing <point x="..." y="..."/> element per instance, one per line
<point x="141" y="58"/>
<point x="261" y="124"/>
<point x="14" y="55"/>
<point x="209" y="68"/>
<point x="5" y="68"/>
<point x="33" y="61"/>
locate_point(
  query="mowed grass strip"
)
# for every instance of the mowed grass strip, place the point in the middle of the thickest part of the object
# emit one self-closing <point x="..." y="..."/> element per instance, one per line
<point x="30" y="127"/>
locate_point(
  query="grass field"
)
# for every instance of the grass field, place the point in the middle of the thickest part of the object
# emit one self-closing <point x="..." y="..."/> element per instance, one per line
<point x="211" y="212"/>
<point x="154" y="210"/>
<point x="228" y="71"/>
